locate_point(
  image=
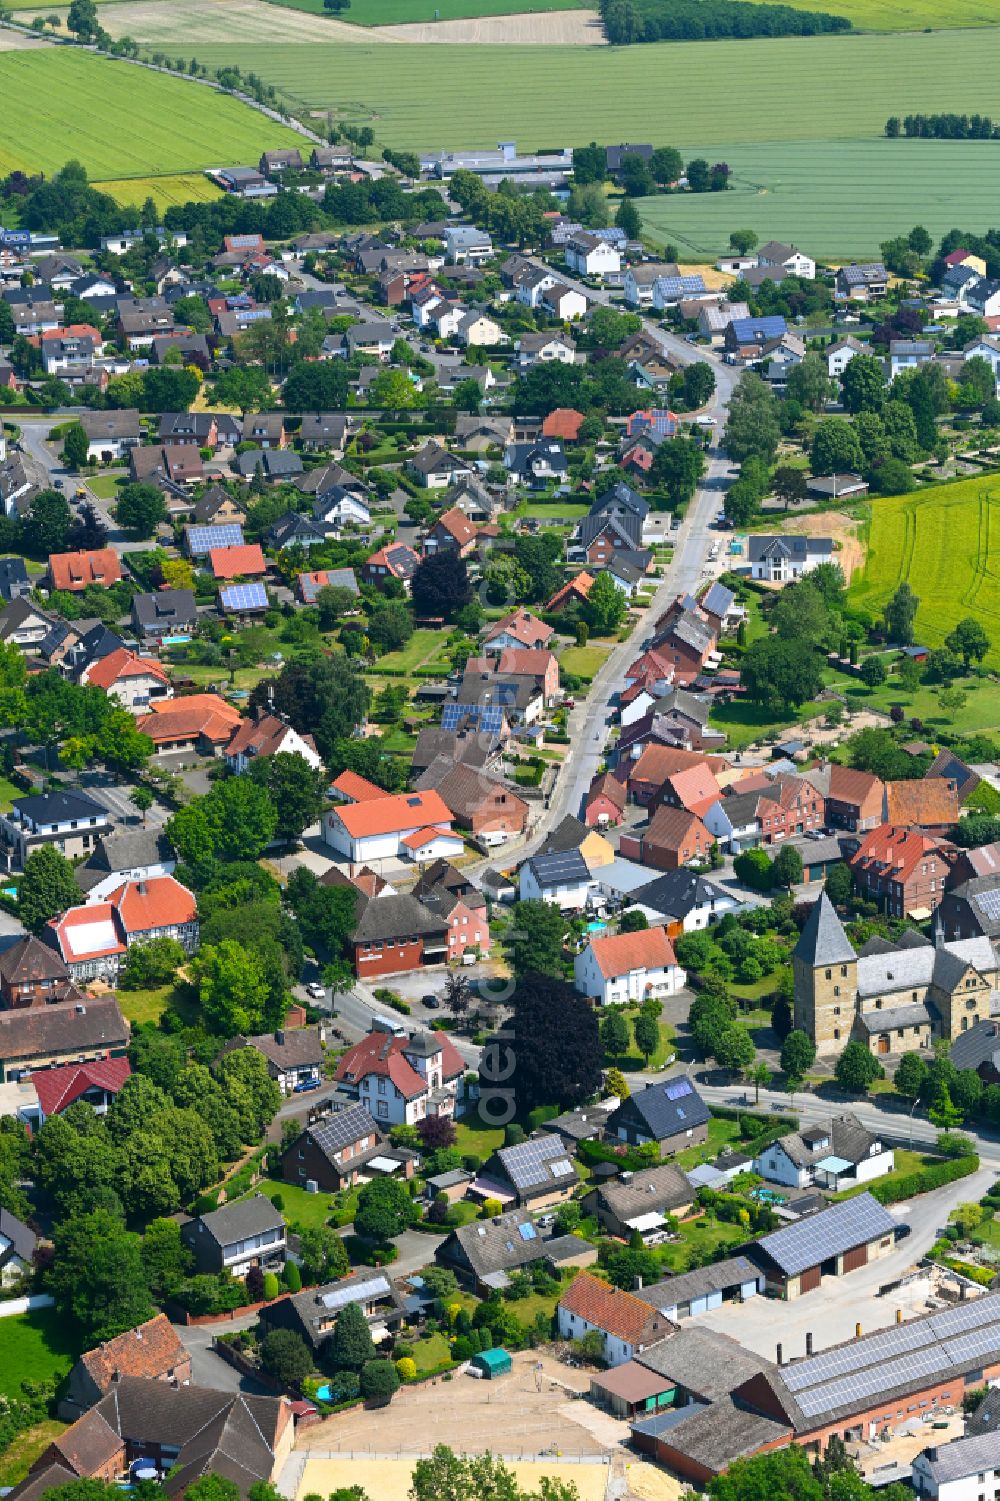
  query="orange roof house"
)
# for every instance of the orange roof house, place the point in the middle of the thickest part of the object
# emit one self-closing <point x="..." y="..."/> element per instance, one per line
<point x="153" y="1349"/>
<point x="129" y="677"/>
<point x="76" y="571"/>
<point x="605" y="801"/>
<point x="672" y="838"/>
<point x="627" y="1322"/>
<point x="349" y="787"/>
<point x="693" y="788"/>
<point x="375" y="828"/>
<point x="202" y="721"/>
<point x="565" y="423"/>
<point x="574" y="591"/>
<point x="930" y="803"/>
<point x="451" y="532"/>
<point x="903" y="869"/>
<point x="520" y="628"/>
<point x="246" y="560"/>
<point x="94" y="939"/>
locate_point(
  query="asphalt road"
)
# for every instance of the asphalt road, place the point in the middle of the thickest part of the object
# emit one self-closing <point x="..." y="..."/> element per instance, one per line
<point x="34" y="432"/>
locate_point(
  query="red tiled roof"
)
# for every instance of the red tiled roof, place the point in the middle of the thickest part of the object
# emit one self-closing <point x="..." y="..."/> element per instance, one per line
<point x="382" y="1055"/>
<point x="421" y="837"/>
<point x="73" y="330"/>
<point x="928" y="801"/>
<point x="524" y="627"/>
<point x="159" y="902"/>
<point x="861" y="788"/>
<point x="694" y="786"/>
<point x="672" y="828"/>
<point x="658" y="762"/>
<point x="563" y="422"/>
<point x="242" y="561"/>
<point x="87" y="933"/>
<point x="608" y="1308"/>
<point x="123" y="663"/>
<point x="355" y="788"/>
<point x="186" y="718"/>
<point x="75" y="570"/>
<point x="457" y="525"/>
<point x="57" y="1088"/>
<point x="649" y="948"/>
<point x="606" y="785"/>
<point x="576" y="588"/>
<point x="895" y="852"/>
<point x="394" y="814"/>
<point x="524" y="661"/>
<point x="151" y="1350"/>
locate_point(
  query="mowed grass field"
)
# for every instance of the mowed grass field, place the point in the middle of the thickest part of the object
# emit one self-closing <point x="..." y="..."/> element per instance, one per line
<point x="842" y="197"/>
<point x="898" y="15"/>
<point x="120" y="120"/>
<point x="691" y="94"/>
<point x="945" y="542"/>
<point x="185" y="187"/>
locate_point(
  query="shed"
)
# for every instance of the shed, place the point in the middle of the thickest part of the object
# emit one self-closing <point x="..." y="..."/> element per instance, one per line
<point x="492" y="1363"/>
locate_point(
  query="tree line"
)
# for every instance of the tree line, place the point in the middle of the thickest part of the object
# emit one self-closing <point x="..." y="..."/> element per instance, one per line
<point x="943" y="127"/>
<point x="630" y="21"/>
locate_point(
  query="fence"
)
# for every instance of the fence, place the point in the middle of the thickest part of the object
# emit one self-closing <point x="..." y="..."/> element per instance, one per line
<point x="26" y="1305"/>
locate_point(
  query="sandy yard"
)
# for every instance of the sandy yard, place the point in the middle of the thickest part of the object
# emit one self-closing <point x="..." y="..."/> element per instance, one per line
<point x="508" y="1416"/>
<point x="14" y="41"/>
<point x="389" y="1479"/>
<point x="842" y="528"/>
<point x="714" y="279"/>
<point x="560" y="28"/>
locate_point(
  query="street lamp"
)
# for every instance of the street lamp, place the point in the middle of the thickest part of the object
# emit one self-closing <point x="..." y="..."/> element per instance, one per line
<point x="916" y="1101"/>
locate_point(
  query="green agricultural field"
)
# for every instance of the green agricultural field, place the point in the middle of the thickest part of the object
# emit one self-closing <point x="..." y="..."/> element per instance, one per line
<point x="898" y="15"/>
<point x="398" y="12"/>
<point x="692" y="94"/>
<point x="842" y="198"/>
<point x="945" y="542"/>
<point x="186" y="187"/>
<point x="120" y="120"/>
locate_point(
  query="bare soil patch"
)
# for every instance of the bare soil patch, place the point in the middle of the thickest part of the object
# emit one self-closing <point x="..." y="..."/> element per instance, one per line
<point x="16" y="41"/>
<point x="558" y="28"/>
<point x="212" y="22"/>
<point x="842" y="528"/>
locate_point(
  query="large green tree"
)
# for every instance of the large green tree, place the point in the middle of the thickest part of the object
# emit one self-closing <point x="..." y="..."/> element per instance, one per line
<point x="232" y="988"/>
<point x="297" y="791"/>
<point x="97" y="1277"/>
<point x="46" y="889"/>
<point x="141" y="509"/>
<point x="554" y="1045"/>
<point x="534" y="939"/>
<point x="780" y="674"/>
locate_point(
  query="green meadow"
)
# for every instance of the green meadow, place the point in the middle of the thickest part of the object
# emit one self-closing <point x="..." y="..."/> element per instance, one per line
<point x="945" y="541"/>
<point x="399" y="12"/>
<point x="120" y="120"/>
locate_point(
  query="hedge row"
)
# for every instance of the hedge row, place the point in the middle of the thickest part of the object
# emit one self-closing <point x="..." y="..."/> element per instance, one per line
<point x="928" y="1178"/>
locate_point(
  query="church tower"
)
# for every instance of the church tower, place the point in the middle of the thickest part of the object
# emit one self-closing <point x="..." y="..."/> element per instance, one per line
<point x="825" y="970"/>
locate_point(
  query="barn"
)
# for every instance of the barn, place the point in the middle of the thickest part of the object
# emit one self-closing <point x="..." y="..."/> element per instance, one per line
<point x="838" y="1240"/>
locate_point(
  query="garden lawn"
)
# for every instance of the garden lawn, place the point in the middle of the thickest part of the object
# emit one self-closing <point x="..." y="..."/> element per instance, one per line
<point x="39" y="1346"/>
<point x="721" y="1133"/>
<point x="8" y="791"/>
<point x="27" y="1447"/>
<point x="120" y="120"/>
<point x="945" y="542"/>
<point x="633" y="1060"/>
<point x="105" y="485"/>
<point x="745" y="723"/>
<point x="585" y="661"/>
<point x="422" y="645"/>
<point x="981" y="710"/>
<point x="475" y="1138"/>
<point x="699" y="1240"/>
<point x="987" y="1234"/>
<point x="904" y="1162"/>
<point x="309" y="1211"/>
<point x="428" y="1353"/>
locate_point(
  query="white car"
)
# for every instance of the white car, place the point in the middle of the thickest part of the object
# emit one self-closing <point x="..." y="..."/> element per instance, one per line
<point x="317" y="991"/>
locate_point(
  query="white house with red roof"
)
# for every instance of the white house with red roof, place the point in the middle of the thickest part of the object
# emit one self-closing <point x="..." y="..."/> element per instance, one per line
<point x="627" y="968"/>
<point x="350" y="787"/>
<point x="519" y="629"/>
<point x="97" y="1083"/>
<point x="136" y="682"/>
<point x="376" y="828"/>
<point x="431" y="843"/>
<point x="400" y="1080"/>
<point x="94" y="939"/>
<point x="265" y="734"/>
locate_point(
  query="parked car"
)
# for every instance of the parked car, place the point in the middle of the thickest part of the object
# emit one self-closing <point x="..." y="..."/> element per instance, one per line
<point x="305" y="1085"/>
<point x="317" y="991"/>
<point x="432" y="1002"/>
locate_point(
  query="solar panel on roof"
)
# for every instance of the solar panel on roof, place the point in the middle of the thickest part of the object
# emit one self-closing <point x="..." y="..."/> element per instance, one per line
<point x="678" y="1089"/>
<point x="527" y="1232"/>
<point x="203" y="539"/>
<point x="360" y="1292"/>
<point x="244" y="597"/>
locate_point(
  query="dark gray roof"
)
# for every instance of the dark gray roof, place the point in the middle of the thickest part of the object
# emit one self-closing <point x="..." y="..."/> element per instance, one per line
<point x="844" y="1137"/>
<point x="342" y="1129"/>
<point x="717" y="1277"/>
<point x="165" y="607"/>
<point x="40" y="1031"/>
<point x="716" y="1434"/>
<point x="667" y="1107"/>
<point x="718" y="599"/>
<point x="245" y="1217"/>
<point x="709" y="1364"/>
<point x="59" y="807"/>
<point x="964" y="1457"/>
<point x="653" y="1190"/>
<point x="978" y="1046"/>
<point x="568" y="834"/>
<point x="126" y="849"/>
<point x="393" y="917"/>
<point x="798" y="548"/>
<point x="507" y="1241"/>
<point x="628" y="526"/>
<point x="22" y="1240"/>
<point x="678" y="892"/>
<point x="539" y="1161"/>
<point x="823" y="940"/>
<point x="289" y="1047"/>
<point x="986" y="1418"/>
<point x="566" y="868"/>
<point x="842" y="1227"/>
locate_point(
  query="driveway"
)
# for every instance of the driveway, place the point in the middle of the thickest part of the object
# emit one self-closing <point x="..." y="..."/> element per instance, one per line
<point x="207" y="1368"/>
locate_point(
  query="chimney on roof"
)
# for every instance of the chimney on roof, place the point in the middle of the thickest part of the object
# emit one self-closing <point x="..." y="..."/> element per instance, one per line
<point x="140" y="887"/>
<point x="780" y="1355"/>
<point x="857" y="1331"/>
<point x="80" y="1010"/>
<point x="279" y="1038"/>
<point x="637" y="1283"/>
<point x="809" y="1342"/>
<point x="899" y="1315"/>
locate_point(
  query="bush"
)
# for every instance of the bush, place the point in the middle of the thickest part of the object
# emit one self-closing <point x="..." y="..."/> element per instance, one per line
<point x="286" y="1356"/>
<point x="379" y="1380"/>
<point x="929" y="1178"/>
<point x="406" y="1368"/>
<point x="271" y="1288"/>
<point x="293" y="1277"/>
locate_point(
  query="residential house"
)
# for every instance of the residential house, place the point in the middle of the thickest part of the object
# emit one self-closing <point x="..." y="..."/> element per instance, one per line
<point x="852" y="799"/>
<point x="536" y="1172"/>
<point x="402" y="1080"/>
<point x="786" y="807"/>
<point x="683" y="901"/>
<point x="76" y="571"/>
<point x="962" y="1470"/>
<point x="545" y="348"/>
<point x="519" y="629"/>
<point x="715" y="318"/>
<point x="908" y="354"/>
<point x="213" y="430"/>
<point x="589" y="255"/>
<point x="201" y="722"/>
<point x="245" y="561"/>
<point x="862" y="283"/>
<point x="639" y="1202"/>
<point x="264" y="734"/>
<point x="324" y="432"/>
<point x="561" y="878"/>
<point x="134" y="681"/>
<point x="294" y="530"/>
<point x="55" y="1089"/>
<point x="32" y="975"/>
<point x="376" y="828"/>
<point x="491" y="810"/>
<point x="272" y="464"/>
<point x="836" y="1156"/>
<point x="435" y="468"/>
<point x="564" y="303"/>
<point x="452" y="531"/>
<point x="342" y="1150"/>
<point x="780" y="560"/>
<point x="465" y="916"/>
<point x="678" y="718"/>
<point x="200" y="540"/>
<point x="312" y="1314"/>
<point x="338" y="509"/>
<point x="310" y="584"/>
<point x="124" y="855"/>
<point x="639" y="280"/>
<point x="72" y="822"/>
<point x="247" y="1233"/>
<point x="152" y="1350"/>
<point x="672" y="838"/>
<point x="605" y="802"/>
<point x="396" y="932"/>
<point x="983" y="299"/>
<point x="903" y="869"/>
<point x="484" y="1254"/>
<point x="844" y="1237"/>
<point x="276" y="162"/>
<point x="628" y="968"/>
<point x="265" y="430"/>
<point x="670" y="1112"/>
<point x="465" y="245"/>
<point x="840" y="353"/>
<point x="536" y="465"/>
<point x="164" y="612"/>
<point x="93" y="941"/>
<point x="626" y="1324"/>
<point x="41" y="1037"/>
<point x="787" y="258"/>
<point x="395" y="560"/>
<point x="972" y="908"/>
<point x="18" y="1244"/>
<point x="294" y="1056"/>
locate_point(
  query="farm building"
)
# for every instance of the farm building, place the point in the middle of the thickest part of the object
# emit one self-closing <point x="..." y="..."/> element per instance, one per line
<point x="838" y="1240"/>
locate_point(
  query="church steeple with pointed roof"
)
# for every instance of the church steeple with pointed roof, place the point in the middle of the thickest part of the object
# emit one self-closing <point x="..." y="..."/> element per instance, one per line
<point x="825" y="969"/>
